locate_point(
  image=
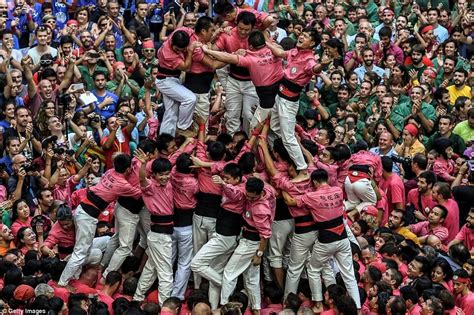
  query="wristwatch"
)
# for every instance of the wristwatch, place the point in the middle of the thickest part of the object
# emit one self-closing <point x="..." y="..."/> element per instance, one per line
<point x="259" y="253"/>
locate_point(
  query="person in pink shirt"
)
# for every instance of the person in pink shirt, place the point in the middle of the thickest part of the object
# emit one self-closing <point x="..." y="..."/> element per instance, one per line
<point x="247" y="257"/>
<point x="443" y="165"/>
<point x="434" y="225"/>
<point x="464" y="296"/>
<point x="410" y="295"/>
<point x="240" y="91"/>
<point x="300" y="68"/>
<point x="327" y="209"/>
<point x="229" y="13"/>
<point x="130" y="216"/>
<point x="65" y="184"/>
<point x="392" y="185"/>
<point x="20" y="216"/>
<point x="157" y="194"/>
<point x="112" y="185"/>
<point x="174" y="56"/>
<point x="442" y="195"/>
<point x="273" y="295"/>
<point x="466" y="234"/>
<point x="228" y="227"/>
<point x="265" y="69"/>
<point x="185" y="189"/>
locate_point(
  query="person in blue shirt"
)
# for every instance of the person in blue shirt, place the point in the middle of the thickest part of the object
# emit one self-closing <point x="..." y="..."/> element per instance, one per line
<point x="22" y="19"/>
<point x="106" y="100"/>
<point x="12" y="148"/>
<point x="60" y="8"/>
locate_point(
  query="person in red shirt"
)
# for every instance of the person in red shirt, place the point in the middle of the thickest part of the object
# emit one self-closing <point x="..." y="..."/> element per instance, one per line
<point x="230" y="13"/>
<point x="247" y="257"/>
<point x="392" y="185"/>
<point x="112" y="185"/>
<point x="300" y="67"/>
<point x="111" y="285"/>
<point x="273" y="296"/>
<point x="466" y="234"/>
<point x="420" y="198"/>
<point x="327" y="208"/>
<point x="464" y="296"/>
<point x="434" y="225"/>
<point x="442" y="195"/>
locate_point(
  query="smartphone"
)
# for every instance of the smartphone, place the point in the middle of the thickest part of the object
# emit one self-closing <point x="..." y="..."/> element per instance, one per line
<point x="77" y="86"/>
<point x="350" y="125"/>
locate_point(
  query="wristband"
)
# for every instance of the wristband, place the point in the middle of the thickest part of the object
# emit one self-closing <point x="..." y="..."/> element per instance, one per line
<point x="202" y="127"/>
<point x="29" y="17"/>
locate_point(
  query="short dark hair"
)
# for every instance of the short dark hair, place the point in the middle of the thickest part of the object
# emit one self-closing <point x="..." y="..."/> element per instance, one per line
<point x="203" y="23"/>
<point x="113" y="278"/>
<point x="233" y="169"/>
<point x="161" y="165"/>
<point x="184" y="163"/>
<point x="180" y="39"/>
<point x="429" y="176"/>
<point x="122" y="162"/>
<point x="256" y="39"/>
<point x="254" y="185"/>
<point x="319" y="176"/>
<point x="247" y="18"/>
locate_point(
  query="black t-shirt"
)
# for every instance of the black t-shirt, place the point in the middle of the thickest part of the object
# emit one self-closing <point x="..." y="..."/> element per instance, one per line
<point x="464" y="196"/>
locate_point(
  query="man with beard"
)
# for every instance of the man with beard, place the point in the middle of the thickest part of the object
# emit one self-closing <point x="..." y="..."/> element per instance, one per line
<point x="445" y="129"/>
<point x="442" y="101"/>
<point x="459" y="88"/>
<point x="420" y="198"/>
<point x="385" y="47"/>
<point x="352" y="58"/>
<point x="43" y="47"/>
<point x="121" y="85"/>
<point x="418" y="62"/>
<point x="24" y="131"/>
<point x="396" y="223"/>
<point x="343" y="94"/>
<point x="466" y="234"/>
<point x="387" y="18"/>
<point x="6" y="238"/>
<point x="90" y="67"/>
<point x="12" y="148"/>
<point x="45" y="201"/>
<point x="86" y="43"/>
<point x="368" y="65"/>
<point x="446" y="73"/>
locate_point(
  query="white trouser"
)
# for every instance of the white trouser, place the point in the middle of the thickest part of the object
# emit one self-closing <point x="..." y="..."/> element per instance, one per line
<point x="99" y="244"/>
<point x="85" y="231"/>
<point x="342" y="254"/>
<point x="241" y="100"/>
<point x="179" y="105"/>
<point x="283" y="122"/>
<point x="222" y="75"/>
<point x="203" y="230"/>
<point x="359" y="194"/>
<point x="210" y="261"/>
<point x="202" y="105"/>
<point x="121" y="244"/>
<point x="159" y="264"/>
<point x="143" y="227"/>
<point x="280" y="239"/>
<point x="241" y="263"/>
<point x="259" y="116"/>
<point x="183" y="251"/>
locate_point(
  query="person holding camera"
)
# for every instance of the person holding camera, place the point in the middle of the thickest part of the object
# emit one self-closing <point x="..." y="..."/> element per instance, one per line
<point x="25" y="181"/>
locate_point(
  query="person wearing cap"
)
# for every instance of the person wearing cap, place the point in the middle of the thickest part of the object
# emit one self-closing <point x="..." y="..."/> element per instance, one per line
<point x="464" y="296"/>
<point x="149" y="57"/>
<point x="411" y="145"/>
<point x="387" y="16"/>
<point x="24" y="294"/>
<point x="121" y="85"/>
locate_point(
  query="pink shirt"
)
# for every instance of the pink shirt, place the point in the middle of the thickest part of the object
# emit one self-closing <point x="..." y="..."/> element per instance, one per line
<point x="113" y="185"/>
<point x="466" y="235"/>
<point x="233" y="198"/>
<point x="17" y="225"/>
<point x="443" y="168"/>
<point x="157" y="198"/>
<point x="370" y="159"/>
<point x="107" y="300"/>
<point x="197" y="65"/>
<point x="205" y="174"/>
<point x="466" y="303"/>
<point x="394" y="189"/>
<point x="330" y="168"/>
<point x="342" y="170"/>
<point x="265" y="69"/>
<point x="185" y="188"/>
<point x="423" y="229"/>
<point x="260" y="213"/>
<point x="452" y="219"/>
<point x="259" y="15"/>
<point x="325" y="204"/>
<point x="299" y="66"/>
<point x="58" y="236"/>
<point x="283" y="182"/>
<point x="60" y="292"/>
<point x="167" y="57"/>
<point x="231" y="43"/>
<point x="271" y="308"/>
<point x="64" y="192"/>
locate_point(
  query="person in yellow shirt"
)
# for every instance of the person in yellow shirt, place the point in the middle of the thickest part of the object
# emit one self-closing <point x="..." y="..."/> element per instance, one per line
<point x="410" y="145"/>
<point x="396" y="222"/>
<point x="459" y="88"/>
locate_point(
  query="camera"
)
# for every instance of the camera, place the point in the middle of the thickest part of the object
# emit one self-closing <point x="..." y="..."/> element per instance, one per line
<point x="401" y="160"/>
<point x="96" y="119"/>
<point x="59" y="150"/>
<point x="70" y="152"/>
<point x="31" y="167"/>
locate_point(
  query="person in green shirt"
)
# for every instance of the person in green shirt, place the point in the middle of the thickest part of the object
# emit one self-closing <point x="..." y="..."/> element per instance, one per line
<point x="417" y="55"/>
<point x="121" y="85"/>
<point x="445" y="129"/>
<point x="90" y="61"/>
<point x="340" y="13"/>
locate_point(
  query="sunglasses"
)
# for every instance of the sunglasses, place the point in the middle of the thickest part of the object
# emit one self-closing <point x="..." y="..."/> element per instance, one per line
<point x="147" y="50"/>
<point x="45" y="62"/>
